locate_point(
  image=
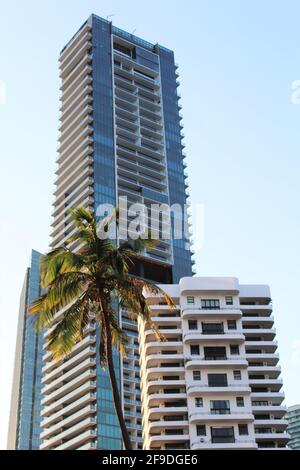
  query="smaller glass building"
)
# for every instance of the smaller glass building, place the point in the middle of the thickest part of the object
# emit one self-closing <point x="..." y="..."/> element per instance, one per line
<point x="25" y="417"/>
<point x="293" y="417"/>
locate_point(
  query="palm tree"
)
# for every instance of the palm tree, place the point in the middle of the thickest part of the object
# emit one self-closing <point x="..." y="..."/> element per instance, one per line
<point x="86" y="285"/>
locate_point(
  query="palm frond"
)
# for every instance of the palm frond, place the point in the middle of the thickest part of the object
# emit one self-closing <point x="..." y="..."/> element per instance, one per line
<point x="70" y="329"/>
<point x="82" y="217"/>
<point x="57" y="261"/>
<point x="131" y="293"/>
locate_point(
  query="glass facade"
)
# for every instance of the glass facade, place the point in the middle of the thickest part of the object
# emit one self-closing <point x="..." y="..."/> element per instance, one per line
<point x="293" y="417"/>
<point x="108" y="431"/>
<point x="28" y="426"/>
<point x="158" y="58"/>
<point x="161" y="61"/>
<point x="104" y="155"/>
<point x="177" y="194"/>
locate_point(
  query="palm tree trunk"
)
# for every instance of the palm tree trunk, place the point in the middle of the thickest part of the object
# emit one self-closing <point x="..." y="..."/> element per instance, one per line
<point x="114" y="385"/>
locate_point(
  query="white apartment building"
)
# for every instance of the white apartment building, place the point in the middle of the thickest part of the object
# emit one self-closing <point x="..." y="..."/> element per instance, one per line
<point x="213" y="382"/>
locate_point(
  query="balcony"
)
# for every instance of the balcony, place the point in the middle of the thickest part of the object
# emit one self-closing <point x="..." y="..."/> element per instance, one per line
<point x="76" y="97"/>
<point x="170" y="335"/>
<point x="274" y="384"/>
<point x="81" y="367"/>
<point x="230" y="388"/>
<point x="283" y="437"/>
<point x="172" y="438"/>
<point x="268" y="346"/>
<point x="89" y="446"/>
<point x="77" y="141"/>
<point x="147" y="122"/>
<point x="274" y="423"/>
<point x="264" y="333"/>
<point x="205" y="416"/>
<point x="275" y="410"/>
<point x="161" y="424"/>
<point x="155" y="360"/>
<point x="220" y="313"/>
<point x="76" y="42"/>
<point x="259" y="308"/>
<point x="156" y="399"/>
<point x="69" y="387"/>
<point x="123" y="82"/>
<point x="268" y="358"/>
<point x="68" y="422"/>
<point x="83" y="116"/>
<point x="157" y="372"/>
<point x="83" y="149"/>
<point x="206" y="443"/>
<point x="157" y="412"/>
<point x="159" y="347"/>
<point x="81" y="127"/>
<point x="74" y="64"/>
<point x="68" y="75"/>
<point x="258" y="319"/>
<point x="275" y="397"/>
<point x="68" y="398"/>
<point x="78" y="440"/>
<point x="152" y="386"/>
<point x="201" y="361"/>
<point x="272" y="371"/>
<point x="71" y="114"/>
<point x="81" y="193"/>
<point x="141" y="79"/>
<point x="73" y="169"/>
<point x="231" y="336"/>
<point x="73" y="407"/>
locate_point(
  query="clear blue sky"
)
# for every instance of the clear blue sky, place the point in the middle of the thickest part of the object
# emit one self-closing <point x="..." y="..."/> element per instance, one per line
<point x="237" y="61"/>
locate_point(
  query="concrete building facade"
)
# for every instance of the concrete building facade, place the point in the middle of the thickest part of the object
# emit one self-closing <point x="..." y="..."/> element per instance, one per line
<point x="213" y="382"/>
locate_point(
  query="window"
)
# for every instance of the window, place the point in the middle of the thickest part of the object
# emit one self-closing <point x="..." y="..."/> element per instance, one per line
<point x="234" y="350"/>
<point x="222" y="435"/>
<point x="243" y="430"/>
<point x="220" y="407"/>
<point x="190" y="299"/>
<point x="195" y="350"/>
<point x="231" y="324"/>
<point x="201" y="430"/>
<point x="214" y="353"/>
<point x="198" y="402"/>
<point x="210" y="304"/>
<point x="193" y="324"/>
<point x="212" y="328"/>
<point x="197" y="375"/>
<point x="229" y="300"/>
<point x="237" y="375"/>
<point x="217" y="380"/>
<point x="240" y="401"/>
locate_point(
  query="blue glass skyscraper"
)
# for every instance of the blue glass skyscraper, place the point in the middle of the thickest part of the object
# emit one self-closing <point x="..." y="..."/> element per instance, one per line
<point x="25" y="417"/>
